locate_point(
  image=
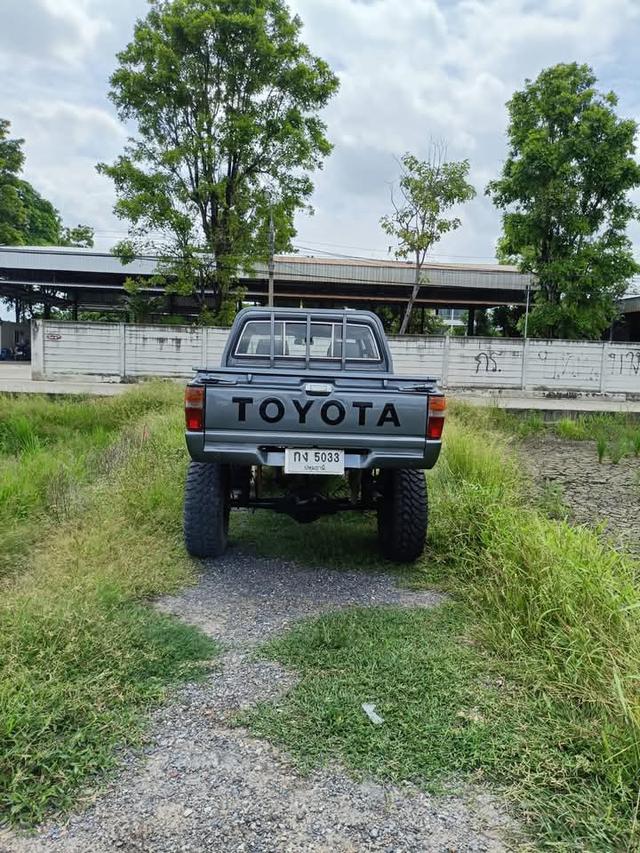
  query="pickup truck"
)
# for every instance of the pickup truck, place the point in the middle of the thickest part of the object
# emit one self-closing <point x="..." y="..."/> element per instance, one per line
<point x="302" y="397"/>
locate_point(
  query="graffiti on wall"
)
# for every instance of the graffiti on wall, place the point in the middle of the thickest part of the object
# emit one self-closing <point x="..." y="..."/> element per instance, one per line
<point x="624" y="363"/>
<point x="569" y="365"/>
<point x="487" y="361"/>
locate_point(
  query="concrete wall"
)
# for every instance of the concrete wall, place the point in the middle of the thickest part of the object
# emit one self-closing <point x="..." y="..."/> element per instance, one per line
<point x="119" y="352"/>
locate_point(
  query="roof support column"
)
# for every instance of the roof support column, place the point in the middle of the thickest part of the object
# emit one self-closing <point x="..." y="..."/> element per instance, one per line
<point x="471" y="322"/>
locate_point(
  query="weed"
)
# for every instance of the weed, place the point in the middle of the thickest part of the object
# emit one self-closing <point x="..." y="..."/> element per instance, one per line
<point x="635" y="443"/>
<point x="618" y="450"/>
<point x="601" y="447"/>
<point x="552" y="501"/>
<point x="18" y="436"/>
<point x="572" y="429"/>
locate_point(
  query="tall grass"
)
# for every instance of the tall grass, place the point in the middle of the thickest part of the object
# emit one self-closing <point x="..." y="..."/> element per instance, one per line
<point x="49" y="449"/>
<point x="80" y="654"/>
<point x="554" y="599"/>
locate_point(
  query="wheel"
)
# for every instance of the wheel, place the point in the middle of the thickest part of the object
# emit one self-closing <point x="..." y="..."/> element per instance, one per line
<point x="402" y="515"/>
<point x="206" y="509"/>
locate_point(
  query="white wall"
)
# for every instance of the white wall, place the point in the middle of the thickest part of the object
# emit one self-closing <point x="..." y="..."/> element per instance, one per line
<point x="115" y="352"/>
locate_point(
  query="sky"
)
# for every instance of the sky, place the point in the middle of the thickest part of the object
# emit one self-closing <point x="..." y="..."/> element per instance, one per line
<point x="410" y="71"/>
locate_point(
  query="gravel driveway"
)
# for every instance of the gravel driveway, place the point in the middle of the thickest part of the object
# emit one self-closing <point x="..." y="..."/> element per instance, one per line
<point x="201" y="785"/>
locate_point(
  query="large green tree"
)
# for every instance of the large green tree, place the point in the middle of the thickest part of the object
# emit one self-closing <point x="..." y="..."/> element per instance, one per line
<point x="225" y="98"/>
<point x="564" y="190"/>
<point x="428" y="190"/>
<point x="12" y="212"/>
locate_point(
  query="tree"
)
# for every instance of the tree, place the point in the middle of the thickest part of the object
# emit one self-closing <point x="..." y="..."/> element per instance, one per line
<point x="81" y="236"/>
<point x="564" y="192"/>
<point x="42" y="223"/>
<point x="428" y="189"/>
<point x="225" y="97"/>
<point x="26" y="218"/>
<point x="506" y="319"/>
<point x="12" y="213"/>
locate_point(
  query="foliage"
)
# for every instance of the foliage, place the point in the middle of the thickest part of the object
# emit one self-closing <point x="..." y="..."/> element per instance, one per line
<point x="225" y="97"/>
<point x="428" y="189"/>
<point x="564" y="190"/>
<point x="81" y="655"/>
<point x="42" y="223"/>
<point x="12" y="214"/>
<point x="423" y="322"/>
<point x="81" y="236"/>
<point x="506" y="319"/>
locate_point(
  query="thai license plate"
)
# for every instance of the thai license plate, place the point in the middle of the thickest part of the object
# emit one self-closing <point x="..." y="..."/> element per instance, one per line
<point x="311" y="461"/>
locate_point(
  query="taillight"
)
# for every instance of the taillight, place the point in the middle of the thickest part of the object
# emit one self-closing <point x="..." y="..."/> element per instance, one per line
<point x="194" y="407"/>
<point x="435" y="419"/>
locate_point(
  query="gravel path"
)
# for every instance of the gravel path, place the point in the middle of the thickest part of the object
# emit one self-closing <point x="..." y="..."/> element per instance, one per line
<point x="202" y="785"/>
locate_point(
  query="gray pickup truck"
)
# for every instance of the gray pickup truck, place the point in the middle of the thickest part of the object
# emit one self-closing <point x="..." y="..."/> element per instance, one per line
<point x="303" y="395"/>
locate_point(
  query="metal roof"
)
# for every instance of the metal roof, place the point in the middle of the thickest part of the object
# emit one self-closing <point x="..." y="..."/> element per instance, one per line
<point x="56" y="259"/>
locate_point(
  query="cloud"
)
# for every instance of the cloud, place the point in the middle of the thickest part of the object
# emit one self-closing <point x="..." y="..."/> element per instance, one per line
<point x="42" y="31"/>
<point x="63" y="142"/>
<point x="410" y="71"/>
<point x="422" y="69"/>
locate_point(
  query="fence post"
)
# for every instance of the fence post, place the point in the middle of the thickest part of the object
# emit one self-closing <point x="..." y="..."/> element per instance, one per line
<point x="37" y="349"/>
<point x="445" y="360"/>
<point x="525" y="352"/>
<point x="123" y="350"/>
<point x="204" y="340"/>
<point x="603" y="359"/>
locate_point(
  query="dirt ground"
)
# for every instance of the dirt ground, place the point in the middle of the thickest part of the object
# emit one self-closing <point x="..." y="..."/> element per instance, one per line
<point x="568" y="472"/>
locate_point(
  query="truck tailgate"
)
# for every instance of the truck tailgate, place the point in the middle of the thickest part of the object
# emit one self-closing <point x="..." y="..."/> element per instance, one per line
<point x="285" y="409"/>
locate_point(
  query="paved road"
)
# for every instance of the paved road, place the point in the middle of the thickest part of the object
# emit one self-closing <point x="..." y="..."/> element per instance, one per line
<point x="203" y="785"/>
<point x="15" y="378"/>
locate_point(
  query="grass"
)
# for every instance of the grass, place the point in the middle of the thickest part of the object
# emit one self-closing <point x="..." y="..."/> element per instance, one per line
<point x="49" y="449"/>
<point x="81" y="655"/>
<point x="617" y="434"/>
<point x="528" y="679"/>
<point x="547" y="608"/>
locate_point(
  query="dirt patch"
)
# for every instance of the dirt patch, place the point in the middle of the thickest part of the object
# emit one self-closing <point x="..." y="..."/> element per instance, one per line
<point x="594" y="493"/>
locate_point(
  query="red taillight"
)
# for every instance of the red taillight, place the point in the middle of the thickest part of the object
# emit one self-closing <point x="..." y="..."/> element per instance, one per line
<point x="435" y="419"/>
<point x="194" y="408"/>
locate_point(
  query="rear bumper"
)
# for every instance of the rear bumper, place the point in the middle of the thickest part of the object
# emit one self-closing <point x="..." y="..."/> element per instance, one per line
<point x="204" y="449"/>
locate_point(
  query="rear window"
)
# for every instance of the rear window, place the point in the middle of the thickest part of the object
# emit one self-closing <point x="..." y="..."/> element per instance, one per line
<point x="324" y="340"/>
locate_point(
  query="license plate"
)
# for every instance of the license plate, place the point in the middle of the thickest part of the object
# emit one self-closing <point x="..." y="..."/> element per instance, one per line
<point x="310" y="461"/>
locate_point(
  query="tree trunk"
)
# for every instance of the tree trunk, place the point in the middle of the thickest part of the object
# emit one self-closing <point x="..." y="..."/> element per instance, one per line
<point x="412" y="301"/>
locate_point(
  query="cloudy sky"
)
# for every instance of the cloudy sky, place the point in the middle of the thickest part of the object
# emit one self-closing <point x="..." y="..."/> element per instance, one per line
<point x="410" y="71"/>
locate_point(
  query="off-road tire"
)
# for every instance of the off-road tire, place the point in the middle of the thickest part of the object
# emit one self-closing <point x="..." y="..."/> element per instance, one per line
<point x="402" y="514"/>
<point x="206" y="509"/>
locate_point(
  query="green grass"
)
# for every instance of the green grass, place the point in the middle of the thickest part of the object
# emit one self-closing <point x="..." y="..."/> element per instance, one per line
<point x="49" y="449"/>
<point x="549" y="607"/>
<point x="617" y="433"/>
<point x="81" y="655"/>
<point x="528" y="680"/>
